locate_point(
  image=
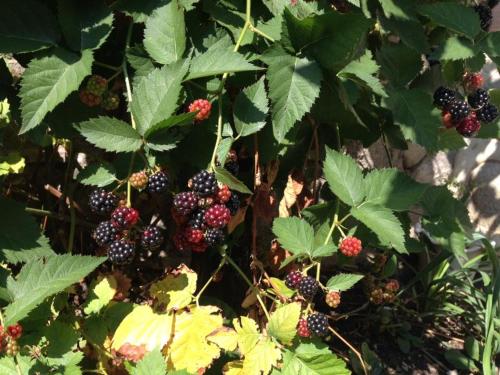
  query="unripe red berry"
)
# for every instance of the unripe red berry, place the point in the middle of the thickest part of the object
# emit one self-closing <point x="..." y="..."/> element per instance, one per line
<point x="203" y="107"/>
<point x="446" y="120"/>
<point x="303" y="329"/>
<point x="139" y="180"/>
<point x="350" y="246"/>
<point x="193" y="236"/>
<point x="473" y="81"/>
<point x="392" y="285"/>
<point x="223" y="194"/>
<point x="332" y="299"/>
<point x="97" y="85"/>
<point x="217" y="216"/>
<point x="15" y="331"/>
<point x="110" y="101"/>
<point x="89" y="99"/>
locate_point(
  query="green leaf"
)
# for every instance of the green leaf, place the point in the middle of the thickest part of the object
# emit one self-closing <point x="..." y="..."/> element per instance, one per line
<point x="399" y="63"/>
<point x="48" y="81"/>
<point x="218" y="60"/>
<point x="454" y="16"/>
<point x="101" y="295"/>
<point x="250" y="109"/>
<point x="281" y="287"/>
<point x="283" y="322"/>
<point x="110" y="134"/>
<point x="26" y="26"/>
<point x="230" y="180"/>
<point x="383" y="223"/>
<point x="155" y="98"/>
<point x="459" y="360"/>
<point x="140" y="61"/>
<point x="343" y="281"/>
<point x="363" y="71"/>
<point x="9" y="367"/>
<point x="39" y="279"/>
<point x="20" y="237"/>
<point x="138" y="10"/>
<point x="455" y="48"/>
<point x="85" y="25"/>
<point x="393" y="189"/>
<point x="412" y="33"/>
<point x="333" y="38"/>
<point x="153" y="363"/>
<point x="413" y="111"/>
<point x="490" y="44"/>
<point x="344" y="177"/>
<point x="177" y="120"/>
<point x="98" y="174"/>
<point x="223" y="149"/>
<point x="165" y="35"/>
<point x="402" y="9"/>
<point x="312" y="359"/>
<point x="294" y="85"/>
<point x="324" y="251"/>
<point x="294" y="234"/>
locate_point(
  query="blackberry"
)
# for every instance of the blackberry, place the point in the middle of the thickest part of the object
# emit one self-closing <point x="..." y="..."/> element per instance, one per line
<point x="233" y="204"/>
<point x="204" y="183"/>
<point x="303" y="329"/>
<point x="105" y="233"/>
<point x="469" y="126"/>
<point x="194" y="236"/>
<point x="214" y="236"/>
<point x="293" y="279"/>
<point x="11" y="348"/>
<point x="478" y="99"/>
<point x="102" y="202"/>
<point x="485" y="16"/>
<point x="110" y="101"/>
<point x="223" y="194"/>
<point x="392" y="285"/>
<point x="124" y="217"/>
<point x="459" y="110"/>
<point x="318" y="324"/>
<point x="332" y="299"/>
<point x="203" y="107"/>
<point x="97" y="85"/>
<point x="158" y="183"/>
<point x="185" y="202"/>
<point x="488" y="113"/>
<point x="15" y="331"/>
<point x="350" y="246"/>
<point x="308" y="287"/>
<point x="151" y="238"/>
<point x="197" y="221"/>
<point x="232" y="167"/>
<point x="444" y="96"/>
<point x="121" y="252"/>
<point x="217" y="216"/>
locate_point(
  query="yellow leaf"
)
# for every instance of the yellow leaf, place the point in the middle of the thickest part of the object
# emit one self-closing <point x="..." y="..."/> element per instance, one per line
<point x="225" y="338"/>
<point x="12" y="163"/>
<point x="176" y="290"/>
<point x="102" y="293"/>
<point x="234" y="368"/>
<point x="283" y="322"/>
<point x="190" y="348"/>
<point x="248" y="334"/>
<point x="261" y="358"/>
<point x="143" y="327"/>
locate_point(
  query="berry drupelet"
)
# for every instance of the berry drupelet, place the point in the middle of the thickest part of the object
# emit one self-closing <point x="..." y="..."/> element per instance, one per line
<point x="106" y="233"/>
<point x="350" y="246"/>
<point x="308" y="287"/>
<point x="121" y="252"/>
<point x="102" y="202"/>
<point x="478" y="99"/>
<point x="444" y="96"/>
<point x="318" y="324"/>
<point x="185" y="202"/>
<point x="204" y="183"/>
<point x="151" y="238"/>
<point x="293" y="279"/>
<point x="217" y="216"/>
<point x="124" y="217"/>
<point x="487" y="114"/>
<point x="158" y="183"/>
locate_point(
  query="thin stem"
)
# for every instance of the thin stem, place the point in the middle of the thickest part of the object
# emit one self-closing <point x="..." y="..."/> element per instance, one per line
<point x="38" y="212"/>
<point x="209" y="281"/>
<point x="253" y="287"/>
<point x="358" y="354"/>
<point x="115" y="75"/>
<point x="219" y="134"/>
<point x="18" y="368"/>
<point x="107" y="66"/>
<point x="261" y="33"/>
<point x="72" y="226"/>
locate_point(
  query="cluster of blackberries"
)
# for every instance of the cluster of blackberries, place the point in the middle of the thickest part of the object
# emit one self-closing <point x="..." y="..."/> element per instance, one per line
<point x="316" y="324"/>
<point x="154" y="183"/>
<point x="120" y="233"/>
<point x="307" y="286"/>
<point x="8" y="339"/>
<point x="96" y="93"/>
<point x="465" y="115"/>
<point x="203" y="212"/>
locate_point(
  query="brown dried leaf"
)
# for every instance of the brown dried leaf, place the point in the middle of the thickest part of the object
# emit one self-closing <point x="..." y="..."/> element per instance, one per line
<point x="265" y="204"/>
<point x="293" y="189"/>
<point x="237" y="219"/>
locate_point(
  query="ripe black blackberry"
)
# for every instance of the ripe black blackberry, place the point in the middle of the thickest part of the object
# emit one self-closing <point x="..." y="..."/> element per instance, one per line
<point x="488" y="113"/>
<point x="124" y="217"/>
<point x="459" y="110"/>
<point x="233" y="203"/>
<point x="105" y="233"/>
<point x="444" y="96"/>
<point x="308" y="287"/>
<point x="121" y="252"/>
<point x="214" y="236"/>
<point x="318" y="324"/>
<point x="478" y="99"/>
<point x="185" y="202"/>
<point x="485" y="16"/>
<point x="293" y="279"/>
<point x="197" y="220"/>
<point x="151" y="238"/>
<point x="232" y="167"/>
<point x="102" y="202"/>
<point x="204" y="183"/>
<point x="158" y="183"/>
